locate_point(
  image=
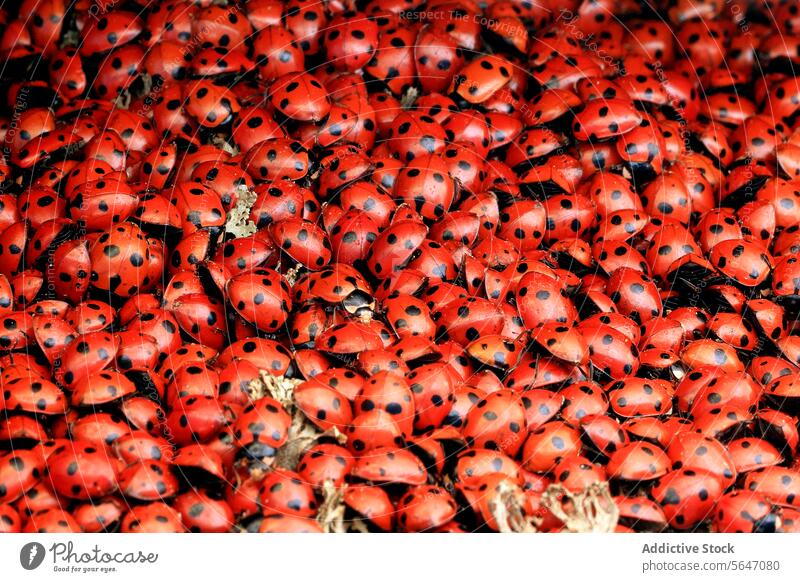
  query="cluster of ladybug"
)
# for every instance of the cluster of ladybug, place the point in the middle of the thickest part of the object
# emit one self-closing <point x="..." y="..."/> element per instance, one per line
<point x="282" y="265"/>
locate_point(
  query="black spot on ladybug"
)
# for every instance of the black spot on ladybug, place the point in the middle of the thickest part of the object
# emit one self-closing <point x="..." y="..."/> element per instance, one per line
<point x="671" y="497"/>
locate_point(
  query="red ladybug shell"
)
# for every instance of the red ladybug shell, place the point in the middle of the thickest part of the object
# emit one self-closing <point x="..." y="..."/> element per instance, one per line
<point x="480" y="79"/>
<point x="203" y="513"/>
<point x="576" y="473"/>
<point x="350" y="41"/>
<point x="373" y="429"/>
<point x="708" y="352"/>
<point x="496" y="422"/>
<point x="196" y="418"/>
<point x="390" y="465"/>
<point x="275" y="159"/>
<point x="640" y="513"/>
<point x="283" y="491"/>
<point x="51" y="520"/>
<point x="604" y="118"/>
<point x="694" y="451"/>
<point x="148" y="481"/>
<point x="263" y="421"/>
<point x="548" y="444"/>
<point x="262" y="297"/>
<point x="541" y="406"/>
<point x="33" y="394"/>
<point x="747" y="263"/>
<point x="437" y="57"/>
<point x="611" y="350"/>
<point x="282" y="523"/>
<point x="88" y="353"/>
<point x="749" y="454"/>
<point x="745" y="512"/>
<point x="639" y="397"/>
<point x="564" y="342"/>
<point x="391" y="393"/>
<point x="323" y="405"/>
<point x="638" y="462"/>
<point x="705" y="387"/>
<point x="687" y="496"/>
<point x="778" y="484"/>
<point x="432" y="390"/>
<point x="19" y="472"/>
<point x="83" y="472"/>
<point x="540" y="299"/>
<point x="303" y="241"/>
<point x="155" y="517"/>
<point x="123" y="262"/>
<point x="100" y="388"/>
<point x="125" y="27"/>
<point x="769" y="316"/>
<point x="372" y="504"/>
<point x="634" y="294"/>
<point x="463" y="321"/>
<point x="476" y="463"/>
<point x="300" y="96"/>
<point x="325" y="462"/>
<point x="277" y="52"/>
<point x="349" y="338"/>
<point x="427" y="185"/>
<point x="424" y="508"/>
<point x="10" y="520"/>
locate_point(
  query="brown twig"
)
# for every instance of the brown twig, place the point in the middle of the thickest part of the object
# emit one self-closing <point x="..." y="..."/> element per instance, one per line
<point x="591" y="510"/>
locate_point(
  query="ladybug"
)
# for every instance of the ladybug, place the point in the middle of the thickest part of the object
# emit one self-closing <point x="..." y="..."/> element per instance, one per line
<point x="20" y="471"/>
<point x="325" y="462"/>
<point x="276" y="158"/>
<point x="687" y="496"/>
<point x="392" y="393"/>
<point x="577" y="473"/>
<point x="283" y="491"/>
<point x="51" y="520"/>
<point x="350" y="41"/>
<point x="425" y="507"/>
<point x="300" y="96"/>
<point x="390" y="465"/>
<point x="638" y="462"/>
<point x="150" y="481"/>
<point x="601" y="119"/>
<point x="481" y="78"/>
<point x="746" y="262"/>
<point x="155" y="517"/>
<point x="202" y="513"/>
<point x="432" y="388"/>
<point x="282" y="523"/>
<point x="371" y="504"/>
<point x="427" y="185"/>
<point x="634" y="294"/>
<point x="262" y="427"/>
<point x="83" y="472"/>
<point x="496" y="422"/>
<point x="740" y="511"/>
<point x="694" y="451"/>
<point x="639" y="397"/>
<point x="324" y="406"/>
<point x="262" y="297"/>
<point x="303" y="241"/>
